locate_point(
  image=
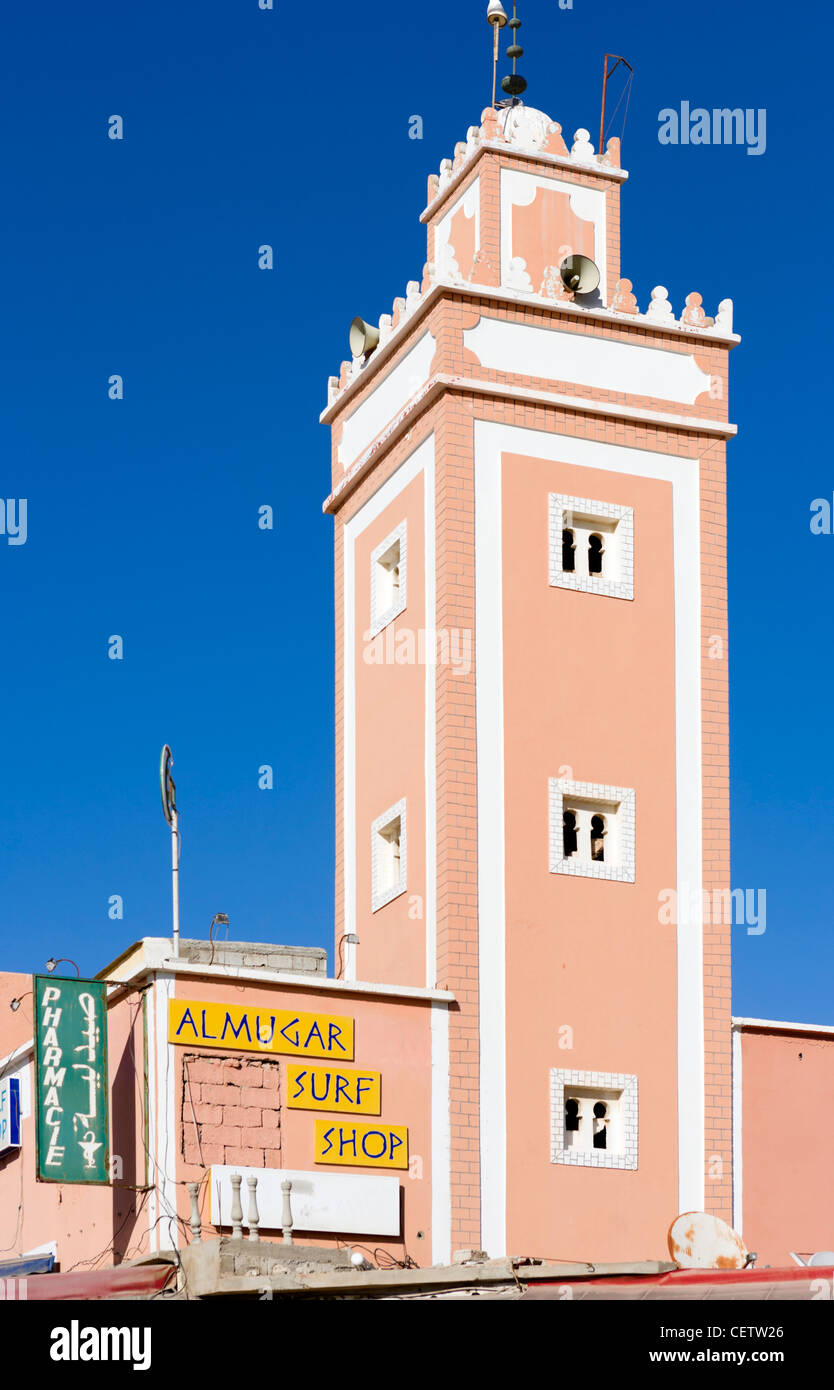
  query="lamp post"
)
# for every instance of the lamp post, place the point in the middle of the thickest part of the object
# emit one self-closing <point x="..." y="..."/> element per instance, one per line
<point x="168" y="789"/>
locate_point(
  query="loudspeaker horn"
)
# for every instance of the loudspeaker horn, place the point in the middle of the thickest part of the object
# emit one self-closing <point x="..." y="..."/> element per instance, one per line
<point x="363" y="337"/>
<point x="580" y="274"/>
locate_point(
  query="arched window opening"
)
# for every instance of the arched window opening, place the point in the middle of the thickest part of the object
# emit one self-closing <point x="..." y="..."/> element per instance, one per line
<point x="569" y="838"/>
<point x="568" y="552"/>
<point x="571" y="1115"/>
<point x="595" y="553"/>
<point x="600" y="1123"/>
<point x="598" y="833"/>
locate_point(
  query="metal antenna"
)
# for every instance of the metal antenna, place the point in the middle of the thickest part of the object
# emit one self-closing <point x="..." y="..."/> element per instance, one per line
<point x="167" y="787"/>
<point x="497" y="17"/>
<point x="514" y="84"/>
<point x="605" y="76"/>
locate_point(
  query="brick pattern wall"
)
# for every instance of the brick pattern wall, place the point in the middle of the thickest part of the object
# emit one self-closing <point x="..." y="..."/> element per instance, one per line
<point x="455" y="311"/>
<point x="339" y="733"/>
<point x="457" y="809"/>
<point x="718" y="1078"/>
<point x="236" y="1114"/>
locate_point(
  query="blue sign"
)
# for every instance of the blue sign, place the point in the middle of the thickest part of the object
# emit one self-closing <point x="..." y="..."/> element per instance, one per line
<point x="9" y="1113"/>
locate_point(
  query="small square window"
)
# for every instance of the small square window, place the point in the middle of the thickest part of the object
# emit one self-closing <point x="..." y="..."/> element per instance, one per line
<point x="388" y="856"/>
<point x="388" y="579"/>
<point x="591" y="830"/>
<point x="591" y="546"/>
<point x="593" y="1119"/>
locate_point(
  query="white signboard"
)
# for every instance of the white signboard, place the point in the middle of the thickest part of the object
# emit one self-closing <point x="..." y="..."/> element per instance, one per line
<point x="338" y="1203"/>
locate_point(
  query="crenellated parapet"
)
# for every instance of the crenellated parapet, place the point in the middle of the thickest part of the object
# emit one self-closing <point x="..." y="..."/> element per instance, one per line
<point x="526" y="131"/>
<point x="659" y="312"/>
<point x="513" y="202"/>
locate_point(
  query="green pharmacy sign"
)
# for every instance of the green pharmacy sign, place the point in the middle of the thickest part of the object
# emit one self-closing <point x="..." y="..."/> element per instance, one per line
<point x="71" y="1080"/>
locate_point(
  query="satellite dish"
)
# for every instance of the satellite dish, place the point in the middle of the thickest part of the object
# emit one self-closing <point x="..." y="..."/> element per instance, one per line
<point x="697" y="1240"/>
<point x="363" y="337"/>
<point x="580" y="274"/>
<point x="822" y="1257"/>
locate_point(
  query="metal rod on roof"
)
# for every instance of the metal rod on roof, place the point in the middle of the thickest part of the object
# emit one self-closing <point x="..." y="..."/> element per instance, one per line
<point x="168" y="789"/>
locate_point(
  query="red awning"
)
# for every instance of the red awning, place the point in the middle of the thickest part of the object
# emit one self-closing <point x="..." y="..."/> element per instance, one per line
<point x="793" y="1282"/>
<point x="125" y="1281"/>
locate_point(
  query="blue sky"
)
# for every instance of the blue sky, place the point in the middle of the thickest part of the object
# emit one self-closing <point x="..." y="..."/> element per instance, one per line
<point x="139" y="257"/>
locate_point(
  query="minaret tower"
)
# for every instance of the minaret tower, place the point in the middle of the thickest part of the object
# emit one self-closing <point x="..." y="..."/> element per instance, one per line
<point x="531" y="726"/>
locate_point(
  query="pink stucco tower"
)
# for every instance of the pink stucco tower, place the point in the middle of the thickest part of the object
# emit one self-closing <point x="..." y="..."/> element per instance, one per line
<point x="531" y="723"/>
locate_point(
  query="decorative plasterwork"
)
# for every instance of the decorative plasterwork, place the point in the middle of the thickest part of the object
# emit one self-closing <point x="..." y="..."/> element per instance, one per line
<point x="382" y="893"/>
<point x="620" y="584"/>
<point x="628" y="369"/>
<point x="449" y="260"/>
<point x="520" y="189"/>
<point x="616" y="800"/>
<point x="625" y="1155"/>
<point x="388" y="397"/>
<point x="381" y="618"/>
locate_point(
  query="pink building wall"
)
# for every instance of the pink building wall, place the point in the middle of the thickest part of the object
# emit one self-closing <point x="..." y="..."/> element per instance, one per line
<point x="585" y="955"/>
<point x="786" y="1198"/>
<point x="391" y="1036"/>
<point x="391" y="750"/>
<point x="213" y="1105"/>
<point x="90" y="1224"/>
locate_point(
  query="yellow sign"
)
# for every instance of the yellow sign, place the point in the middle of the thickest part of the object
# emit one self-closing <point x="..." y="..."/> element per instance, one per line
<point x="361" y="1146"/>
<point x="260" y="1030"/>
<point x="334" y="1088"/>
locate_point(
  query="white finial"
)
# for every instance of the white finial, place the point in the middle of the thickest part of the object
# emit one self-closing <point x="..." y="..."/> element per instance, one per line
<point x="724" y="317"/>
<point x="413" y="296"/>
<point x="445" y="173"/>
<point x="332" y="389"/>
<point x="385" y="328"/>
<point x="582" y="147"/>
<point x="660" y="308"/>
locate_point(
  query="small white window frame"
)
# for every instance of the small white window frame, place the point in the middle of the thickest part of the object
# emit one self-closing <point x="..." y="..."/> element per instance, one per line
<point x="616" y="804"/>
<point x="382" y="892"/>
<point x="562" y="1082"/>
<point x="565" y="513"/>
<point x="381" y="617"/>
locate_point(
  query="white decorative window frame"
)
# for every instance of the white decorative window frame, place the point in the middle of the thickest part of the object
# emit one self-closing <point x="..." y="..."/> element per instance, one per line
<point x="626" y="1155"/>
<point x="381" y="620"/>
<point x="559" y="509"/>
<point x="623" y="797"/>
<point x="379" y="895"/>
